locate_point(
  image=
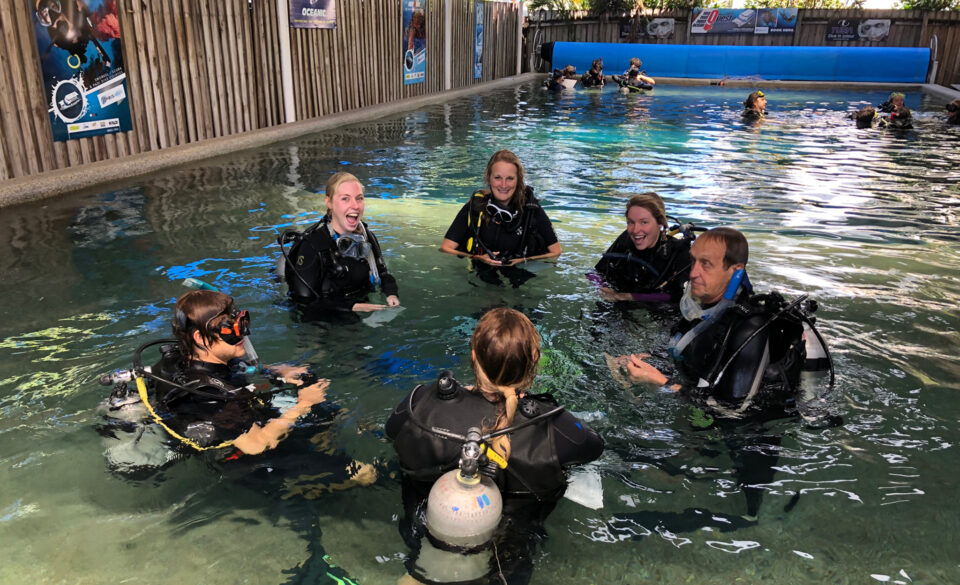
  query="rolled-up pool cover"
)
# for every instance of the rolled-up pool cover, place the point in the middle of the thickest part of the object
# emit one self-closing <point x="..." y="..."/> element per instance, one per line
<point x="864" y="64"/>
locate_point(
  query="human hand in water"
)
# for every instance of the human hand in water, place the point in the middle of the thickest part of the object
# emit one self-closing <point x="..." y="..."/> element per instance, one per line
<point x="641" y="371"/>
<point x="367" y="307"/>
<point x="393" y="301"/>
<point x="290" y="374"/>
<point x="608" y="294"/>
<point x="486" y="259"/>
<point x="314" y="393"/>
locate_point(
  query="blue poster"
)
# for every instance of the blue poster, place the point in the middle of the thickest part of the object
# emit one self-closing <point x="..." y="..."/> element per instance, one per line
<point x="81" y="61"/>
<point x="737" y="21"/>
<point x="478" y="41"/>
<point x="414" y="43"/>
<point x="313" y="14"/>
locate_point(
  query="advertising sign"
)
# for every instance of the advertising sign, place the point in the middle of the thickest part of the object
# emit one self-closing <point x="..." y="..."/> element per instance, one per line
<point x="872" y="30"/>
<point x="313" y="14"/>
<point x="414" y="42"/>
<point x="81" y="61"/>
<point x="727" y="21"/>
<point x="478" y="41"/>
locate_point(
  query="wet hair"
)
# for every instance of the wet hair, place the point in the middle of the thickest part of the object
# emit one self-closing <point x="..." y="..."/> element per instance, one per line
<point x="752" y="99"/>
<point x="505" y="350"/>
<point x="569" y="71"/>
<point x="953" y="106"/>
<point x="203" y="311"/>
<point x="736" y="249"/>
<point x="519" y="197"/>
<point x="895" y="96"/>
<point x="597" y="65"/>
<point x="635" y="63"/>
<point x="864" y="116"/>
<point x="652" y="203"/>
<point x="334" y="182"/>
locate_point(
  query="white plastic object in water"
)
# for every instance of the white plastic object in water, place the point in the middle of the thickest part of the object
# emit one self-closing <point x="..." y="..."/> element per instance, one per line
<point x="462" y="512"/>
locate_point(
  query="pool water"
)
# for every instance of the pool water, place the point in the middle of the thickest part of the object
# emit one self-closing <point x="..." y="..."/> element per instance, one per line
<point x="863" y="221"/>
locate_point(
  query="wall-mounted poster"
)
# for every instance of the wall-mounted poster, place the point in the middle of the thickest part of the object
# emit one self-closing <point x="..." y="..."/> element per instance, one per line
<point x="81" y="61"/>
<point x="478" y="40"/>
<point x="414" y="41"/>
<point x="873" y="30"/>
<point x="313" y="14"/>
<point x="661" y="28"/>
<point x="727" y="21"/>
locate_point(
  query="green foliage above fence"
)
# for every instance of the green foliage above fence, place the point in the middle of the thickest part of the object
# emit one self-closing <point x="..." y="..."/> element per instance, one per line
<point x="929" y="4"/>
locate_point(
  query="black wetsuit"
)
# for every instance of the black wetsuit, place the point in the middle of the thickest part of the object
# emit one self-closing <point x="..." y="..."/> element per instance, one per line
<point x="762" y="378"/>
<point x="340" y="281"/>
<point x="530" y="233"/>
<point x="592" y="79"/>
<point x="751" y="115"/>
<point x="220" y="408"/>
<point x="664" y="268"/>
<point x="531" y="485"/>
<point x="631" y="80"/>
<point x="538" y="452"/>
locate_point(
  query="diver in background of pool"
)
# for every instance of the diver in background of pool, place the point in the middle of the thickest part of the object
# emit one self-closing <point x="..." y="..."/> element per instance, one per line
<point x="565" y="78"/>
<point x="755" y="107"/>
<point x="646" y="263"/>
<point x="503" y="225"/>
<point x="738" y="355"/>
<point x="594" y="77"/>
<point x="526" y="464"/>
<point x="900" y="117"/>
<point x="337" y="262"/>
<point x="633" y="79"/>
<point x="954" y="109"/>
<point x="867" y="117"/>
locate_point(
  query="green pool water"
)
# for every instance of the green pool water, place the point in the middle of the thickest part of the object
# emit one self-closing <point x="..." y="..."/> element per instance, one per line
<point x="863" y="221"/>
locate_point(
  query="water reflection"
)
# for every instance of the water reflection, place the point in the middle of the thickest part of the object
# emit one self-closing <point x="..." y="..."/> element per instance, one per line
<point x="865" y="221"/>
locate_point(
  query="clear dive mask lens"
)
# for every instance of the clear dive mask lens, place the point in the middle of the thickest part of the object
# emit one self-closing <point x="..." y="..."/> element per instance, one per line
<point x="44" y="9"/>
<point x="689" y="307"/>
<point x="353" y="246"/>
<point x="499" y="214"/>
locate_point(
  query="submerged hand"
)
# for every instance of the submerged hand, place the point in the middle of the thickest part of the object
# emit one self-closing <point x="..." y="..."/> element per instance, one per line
<point x="608" y="294"/>
<point x="393" y="301"/>
<point x="367" y="307"/>
<point x="641" y="371"/>
<point x="314" y="393"/>
<point x="486" y="259"/>
<point x="290" y="374"/>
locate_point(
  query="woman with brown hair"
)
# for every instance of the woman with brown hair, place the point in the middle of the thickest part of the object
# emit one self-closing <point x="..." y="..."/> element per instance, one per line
<point x="645" y="263"/>
<point x="504" y="224"/>
<point x="504" y="352"/>
<point x="540" y="439"/>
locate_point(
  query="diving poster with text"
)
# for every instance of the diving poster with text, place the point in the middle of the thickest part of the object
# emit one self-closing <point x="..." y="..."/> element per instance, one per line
<point x="313" y="14"/>
<point x="81" y="60"/>
<point x="414" y="43"/>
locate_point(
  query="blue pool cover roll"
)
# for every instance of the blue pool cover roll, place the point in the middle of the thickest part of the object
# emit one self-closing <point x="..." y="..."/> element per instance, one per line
<point x="860" y="64"/>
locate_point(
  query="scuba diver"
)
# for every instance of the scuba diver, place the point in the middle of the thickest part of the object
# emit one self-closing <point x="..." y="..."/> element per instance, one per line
<point x="504" y="439"/>
<point x="900" y="117"/>
<point x="646" y="262"/>
<point x="198" y="392"/>
<point x="633" y="79"/>
<point x="867" y="117"/>
<point x="68" y="24"/>
<point x="594" y="77"/>
<point x="334" y="264"/>
<point x="953" y="108"/>
<point x="565" y="78"/>
<point x="504" y="225"/>
<point x="755" y="107"/>
<point x="738" y="355"/>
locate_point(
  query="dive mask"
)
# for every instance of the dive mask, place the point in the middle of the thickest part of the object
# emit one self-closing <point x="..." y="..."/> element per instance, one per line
<point x="499" y="214"/>
<point x="353" y="246"/>
<point x="234" y="328"/>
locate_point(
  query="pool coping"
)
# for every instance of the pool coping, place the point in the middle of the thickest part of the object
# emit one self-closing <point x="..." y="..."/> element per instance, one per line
<point x="77" y="179"/>
<point x="120" y="171"/>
